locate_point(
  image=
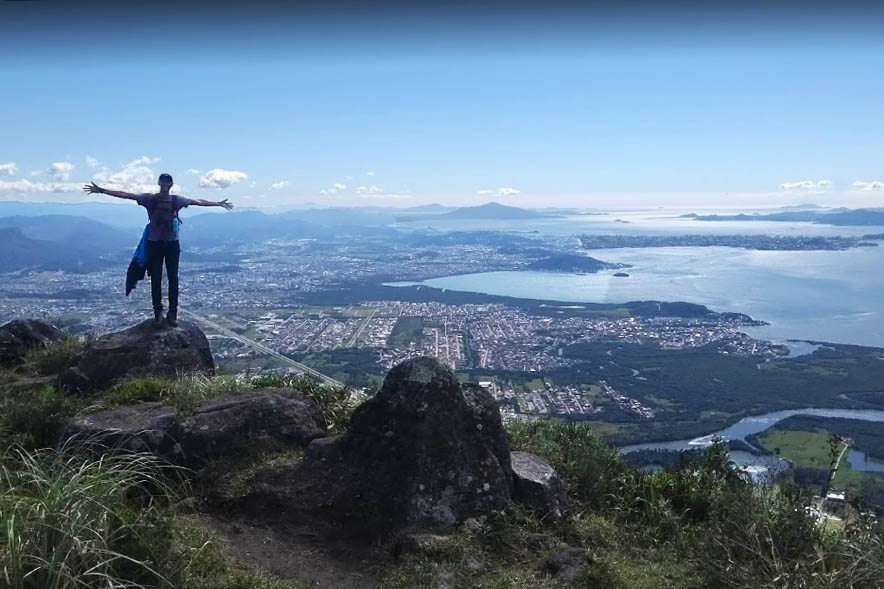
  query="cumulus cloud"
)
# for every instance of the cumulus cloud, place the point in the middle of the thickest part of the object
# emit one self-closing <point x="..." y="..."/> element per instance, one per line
<point x="61" y="171"/>
<point x="501" y="191"/>
<point x="25" y="186"/>
<point x="870" y="185"/>
<point x="819" y="185"/>
<point x="92" y="162"/>
<point x="8" y="169"/>
<point x="135" y="176"/>
<point x="220" y="179"/>
<point x="369" y="189"/>
<point x="279" y="185"/>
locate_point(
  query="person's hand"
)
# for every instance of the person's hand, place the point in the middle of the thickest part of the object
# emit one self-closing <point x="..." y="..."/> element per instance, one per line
<point x="225" y="204"/>
<point x="93" y="188"/>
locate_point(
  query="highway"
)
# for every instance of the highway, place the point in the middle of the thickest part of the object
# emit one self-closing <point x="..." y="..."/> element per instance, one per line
<point x="301" y="368"/>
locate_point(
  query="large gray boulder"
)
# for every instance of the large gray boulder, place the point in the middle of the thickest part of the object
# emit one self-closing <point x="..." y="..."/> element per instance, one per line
<point x="220" y="427"/>
<point x="142" y="350"/>
<point x="423" y="450"/>
<point x="21" y="335"/>
<point x="537" y="485"/>
<point x="280" y="416"/>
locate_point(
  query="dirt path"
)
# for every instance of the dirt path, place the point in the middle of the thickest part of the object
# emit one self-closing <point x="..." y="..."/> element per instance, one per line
<point x="298" y="552"/>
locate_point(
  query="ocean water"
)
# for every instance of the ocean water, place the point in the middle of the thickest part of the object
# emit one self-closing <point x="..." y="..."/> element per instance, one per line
<point x="831" y="296"/>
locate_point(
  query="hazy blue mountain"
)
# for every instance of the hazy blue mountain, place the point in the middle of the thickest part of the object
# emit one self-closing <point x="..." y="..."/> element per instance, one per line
<point x="491" y="210"/>
<point x="125" y="214"/>
<point x="73" y="231"/>
<point x="20" y="252"/>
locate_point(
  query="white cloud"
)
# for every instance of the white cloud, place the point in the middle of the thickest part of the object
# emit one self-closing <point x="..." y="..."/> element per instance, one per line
<point x="819" y="185"/>
<point x="864" y="185"/>
<point x="501" y="191"/>
<point x="219" y="178"/>
<point x="279" y="185"/>
<point x="193" y="171"/>
<point x="143" y="161"/>
<point x="92" y="162"/>
<point x="335" y="189"/>
<point x="369" y="189"/>
<point x="8" y="169"/>
<point x="369" y="173"/>
<point x="61" y="171"/>
<point x="135" y="176"/>
<point x="25" y="186"/>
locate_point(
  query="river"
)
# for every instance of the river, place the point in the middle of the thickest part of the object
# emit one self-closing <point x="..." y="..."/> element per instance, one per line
<point x="758" y="423"/>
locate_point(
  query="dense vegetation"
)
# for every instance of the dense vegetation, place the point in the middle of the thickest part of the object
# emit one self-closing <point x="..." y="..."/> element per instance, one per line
<point x="73" y="517"/>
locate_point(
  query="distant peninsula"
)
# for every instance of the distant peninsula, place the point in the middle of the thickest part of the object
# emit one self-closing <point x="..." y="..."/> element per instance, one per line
<point x="838" y="217"/>
<point x="573" y="263"/>
<point x="490" y="211"/>
<point x="752" y="242"/>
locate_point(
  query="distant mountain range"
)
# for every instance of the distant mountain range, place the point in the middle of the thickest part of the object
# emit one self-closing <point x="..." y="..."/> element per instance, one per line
<point x="489" y="211"/>
<point x="830" y="217"/>
<point x="21" y="252"/>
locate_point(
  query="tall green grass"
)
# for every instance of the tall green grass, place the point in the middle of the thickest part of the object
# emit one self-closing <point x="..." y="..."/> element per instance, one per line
<point x="53" y="357"/>
<point x="69" y="521"/>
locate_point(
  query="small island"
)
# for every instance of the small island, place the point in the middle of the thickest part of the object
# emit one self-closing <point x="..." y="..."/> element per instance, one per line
<point x="621" y="274"/>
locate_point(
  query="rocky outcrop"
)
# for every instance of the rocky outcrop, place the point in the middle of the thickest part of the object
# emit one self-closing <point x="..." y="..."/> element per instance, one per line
<point x="19" y="336"/>
<point x="142" y="350"/>
<point x="279" y="416"/>
<point x="423" y="450"/>
<point x="218" y="428"/>
<point x="537" y="485"/>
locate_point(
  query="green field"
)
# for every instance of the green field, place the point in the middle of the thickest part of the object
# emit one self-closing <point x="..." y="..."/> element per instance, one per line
<point x="406" y="331"/>
<point x="535" y="385"/>
<point x="809" y="453"/>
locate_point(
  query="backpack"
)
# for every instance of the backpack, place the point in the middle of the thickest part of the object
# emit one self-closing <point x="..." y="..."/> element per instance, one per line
<point x="175" y="217"/>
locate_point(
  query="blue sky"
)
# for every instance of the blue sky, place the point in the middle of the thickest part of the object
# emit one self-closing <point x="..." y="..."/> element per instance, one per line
<point x="577" y="107"/>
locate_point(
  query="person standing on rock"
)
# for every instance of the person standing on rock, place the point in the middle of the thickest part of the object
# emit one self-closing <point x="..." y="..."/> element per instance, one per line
<point x="162" y="239"/>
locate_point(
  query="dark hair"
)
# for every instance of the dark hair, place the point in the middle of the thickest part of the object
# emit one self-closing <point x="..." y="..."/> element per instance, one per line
<point x="166" y="177"/>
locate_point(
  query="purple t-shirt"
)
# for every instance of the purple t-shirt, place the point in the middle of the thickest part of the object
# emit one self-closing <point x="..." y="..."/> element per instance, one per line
<point x="159" y="210"/>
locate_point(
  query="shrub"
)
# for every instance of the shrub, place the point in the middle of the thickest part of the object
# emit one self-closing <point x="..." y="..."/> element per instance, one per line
<point x="590" y="469"/>
<point x="337" y="404"/>
<point x="33" y="418"/>
<point x="53" y="357"/>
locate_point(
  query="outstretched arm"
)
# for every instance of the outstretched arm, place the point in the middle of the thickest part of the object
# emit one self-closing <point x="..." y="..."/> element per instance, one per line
<point x="210" y="203"/>
<point x="96" y="189"/>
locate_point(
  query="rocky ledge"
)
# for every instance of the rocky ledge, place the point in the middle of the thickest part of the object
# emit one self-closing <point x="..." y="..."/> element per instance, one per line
<point x="142" y="350"/>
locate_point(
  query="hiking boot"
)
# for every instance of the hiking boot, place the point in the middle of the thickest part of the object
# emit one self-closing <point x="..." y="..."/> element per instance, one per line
<point x="172" y="318"/>
<point x="158" y="320"/>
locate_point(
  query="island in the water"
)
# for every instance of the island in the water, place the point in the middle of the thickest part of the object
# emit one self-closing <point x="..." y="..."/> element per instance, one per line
<point x="826" y="217"/>
<point x="754" y="242"/>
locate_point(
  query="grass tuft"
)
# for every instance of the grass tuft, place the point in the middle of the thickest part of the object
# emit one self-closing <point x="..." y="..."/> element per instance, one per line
<point x="53" y="357"/>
